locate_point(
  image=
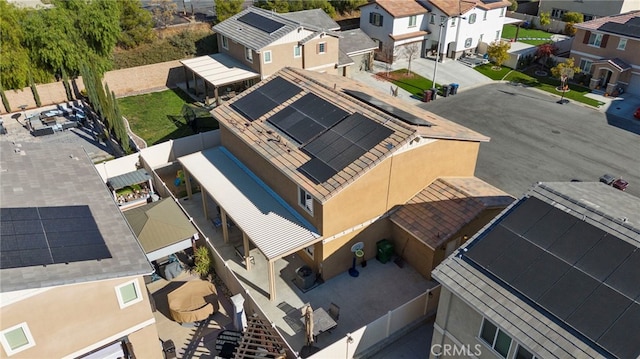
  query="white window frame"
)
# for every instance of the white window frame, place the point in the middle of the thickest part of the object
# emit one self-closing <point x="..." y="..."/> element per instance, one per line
<point x="225" y="42"/>
<point x="480" y="39"/>
<point x="136" y="286"/>
<point x="376" y="19"/>
<point x="484" y="17"/>
<point x="585" y="65"/>
<point x="322" y="48"/>
<point x="518" y="346"/>
<point x="297" y="49"/>
<point x="622" y="44"/>
<point x="595" y="40"/>
<point x="497" y="35"/>
<point x="472" y="19"/>
<point x="265" y="55"/>
<point x="468" y="42"/>
<point x="27" y="333"/>
<point x="248" y="54"/>
<point x="495" y="336"/>
<point x="453" y="21"/>
<point x="413" y="20"/>
<point x="502" y="11"/>
<point x="305" y="200"/>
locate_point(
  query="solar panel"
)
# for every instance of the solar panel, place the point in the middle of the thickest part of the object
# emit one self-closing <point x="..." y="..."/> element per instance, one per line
<point x="305" y="130"/>
<point x="515" y="259"/>
<point x="265" y="98"/>
<point x="622" y="338"/>
<point x="627" y="276"/>
<point x="621" y="29"/>
<point x="492" y="245"/>
<point x="279" y="89"/>
<point x="48" y="235"/>
<point x="320" y="110"/>
<point x="526" y="215"/>
<point x="389" y="109"/>
<point x="550" y="227"/>
<point x="572" y="288"/>
<point x="318" y="171"/>
<point x="605" y="257"/>
<point x="599" y="311"/>
<point x="572" y="245"/>
<point x="540" y="276"/>
<point x="260" y="22"/>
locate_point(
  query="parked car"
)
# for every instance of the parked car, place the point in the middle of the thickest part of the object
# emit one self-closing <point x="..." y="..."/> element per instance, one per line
<point x="620" y="184"/>
<point x="614" y="181"/>
<point x="607" y="179"/>
<point x="637" y="113"/>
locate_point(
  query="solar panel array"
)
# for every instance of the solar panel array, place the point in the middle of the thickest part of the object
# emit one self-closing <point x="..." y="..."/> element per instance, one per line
<point x="388" y="109"/>
<point x="32" y="236"/>
<point x="627" y="29"/>
<point x="260" y="22"/>
<point x="307" y="117"/>
<point x="338" y="147"/>
<point x="586" y="278"/>
<point x="265" y="98"/>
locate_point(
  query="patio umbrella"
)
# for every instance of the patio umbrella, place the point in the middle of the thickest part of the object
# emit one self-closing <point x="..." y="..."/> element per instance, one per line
<point x="308" y="321"/>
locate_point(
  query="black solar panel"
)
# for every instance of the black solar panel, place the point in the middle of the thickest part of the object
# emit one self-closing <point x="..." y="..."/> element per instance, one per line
<point x="317" y="170"/>
<point x="260" y="22"/>
<point x="320" y="110"/>
<point x="265" y="98"/>
<point x="584" y="278"/>
<point x="279" y="89"/>
<point x="621" y="29"/>
<point x="388" y="109"/>
<point x="305" y="130"/>
<point x="48" y="235"/>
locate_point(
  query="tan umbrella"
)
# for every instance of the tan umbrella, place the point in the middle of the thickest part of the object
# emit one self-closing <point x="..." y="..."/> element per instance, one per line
<point x="308" y="321"/>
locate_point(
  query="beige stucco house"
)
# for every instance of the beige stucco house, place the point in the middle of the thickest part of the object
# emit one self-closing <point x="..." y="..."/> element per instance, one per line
<point x="71" y="275"/>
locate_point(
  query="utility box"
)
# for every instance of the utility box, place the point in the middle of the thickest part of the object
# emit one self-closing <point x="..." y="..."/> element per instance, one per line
<point x="305" y="278"/>
<point x="385" y="250"/>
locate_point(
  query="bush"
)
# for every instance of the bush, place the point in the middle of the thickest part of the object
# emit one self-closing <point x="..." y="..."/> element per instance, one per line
<point x="203" y="263"/>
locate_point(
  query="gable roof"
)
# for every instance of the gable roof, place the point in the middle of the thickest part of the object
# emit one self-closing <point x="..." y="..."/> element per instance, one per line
<point x="62" y="175"/>
<point x="555" y="242"/>
<point x="314" y="17"/>
<point x="253" y="37"/>
<point x="456" y="8"/>
<point x="441" y="209"/>
<point x="285" y="153"/>
<point x="627" y="24"/>
<point x="399" y="9"/>
<point x="356" y="41"/>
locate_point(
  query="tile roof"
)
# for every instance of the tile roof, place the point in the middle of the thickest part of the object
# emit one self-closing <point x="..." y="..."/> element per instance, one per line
<point x="48" y="174"/>
<point x="255" y="38"/>
<point x="453" y="8"/>
<point x="596" y="204"/>
<point x="410" y="35"/>
<point x="313" y="17"/>
<point x="615" y="62"/>
<point x="623" y="24"/>
<point x="490" y="5"/>
<point x="356" y="41"/>
<point x="441" y="209"/>
<point x="402" y="8"/>
<point x="285" y="154"/>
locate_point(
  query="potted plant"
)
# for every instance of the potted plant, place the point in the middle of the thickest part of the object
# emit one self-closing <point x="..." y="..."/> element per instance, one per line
<point x="203" y="262"/>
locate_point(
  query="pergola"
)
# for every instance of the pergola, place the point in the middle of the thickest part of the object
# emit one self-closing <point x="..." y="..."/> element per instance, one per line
<point x="275" y="228"/>
<point x="217" y="70"/>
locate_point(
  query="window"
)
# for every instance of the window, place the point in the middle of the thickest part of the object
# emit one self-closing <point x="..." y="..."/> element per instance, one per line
<point x="557" y="13"/>
<point x="128" y="293"/>
<point x="225" y="42"/>
<point x="453" y="21"/>
<point x="305" y="201"/>
<point x="16" y="339"/>
<point x="484" y="17"/>
<point x="412" y="21"/>
<point x="585" y="65"/>
<point x="523" y="353"/>
<point x="595" y="40"/>
<point x="622" y="44"/>
<point x="502" y="11"/>
<point x="297" y="51"/>
<point x="248" y="54"/>
<point x="497" y="35"/>
<point x="467" y="42"/>
<point x="267" y="57"/>
<point x="322" y="47"/>
<point x="375" y="19"/>
<point x="433" y="19"/>
<point x="442" y="19"/>
<point x="495" y="338"/>
<point x="588" y="17"/>
<point x="472" y="18"/>
<point x="480" y="39"/>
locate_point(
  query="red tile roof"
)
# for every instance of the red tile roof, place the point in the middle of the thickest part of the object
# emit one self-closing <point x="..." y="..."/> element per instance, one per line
<point x="402" y="8"/>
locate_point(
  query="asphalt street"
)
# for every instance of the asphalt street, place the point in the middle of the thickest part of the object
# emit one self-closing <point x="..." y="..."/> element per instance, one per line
<point x="534" y="139"/>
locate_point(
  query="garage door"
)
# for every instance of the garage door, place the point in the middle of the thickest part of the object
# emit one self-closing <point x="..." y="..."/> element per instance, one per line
<point x="634" y="85"/>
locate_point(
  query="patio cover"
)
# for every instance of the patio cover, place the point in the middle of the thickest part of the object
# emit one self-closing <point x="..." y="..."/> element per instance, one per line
<point x="161" y="227"/>
<point x="219" y="69"/>
<point x="271" y="224"/>
<point x="129" y="179"/>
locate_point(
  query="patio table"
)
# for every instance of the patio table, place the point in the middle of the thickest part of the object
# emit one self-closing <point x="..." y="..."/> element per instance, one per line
<point x="322" y="322"/>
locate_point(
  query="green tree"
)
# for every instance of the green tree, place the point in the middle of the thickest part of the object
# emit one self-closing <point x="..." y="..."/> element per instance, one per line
<point x="67" y="86"/>
<point x="227" y="8"/>
<point x="565" y="69"/>
<point x="571" y="18"/>
<point x="320" y="4"/>
<point x="545" y="19"/>
<point x="5" y="101"/>
<point x="499" y="52"/>
<point x="347" y="6"/>
<point x="513" y="6"/>
<point x="34" y="91"/>
<point x="163" y="11"/>
<point x="279" y="6"/>
<point x="14" y="57"/>
<point x="136" y="24"/>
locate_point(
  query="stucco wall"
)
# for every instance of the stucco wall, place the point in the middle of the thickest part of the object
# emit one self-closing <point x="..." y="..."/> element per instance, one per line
<point x="68" y="319"/>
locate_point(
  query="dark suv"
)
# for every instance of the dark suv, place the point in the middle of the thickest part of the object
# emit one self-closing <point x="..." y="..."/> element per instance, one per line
<point x="613" y="181"/>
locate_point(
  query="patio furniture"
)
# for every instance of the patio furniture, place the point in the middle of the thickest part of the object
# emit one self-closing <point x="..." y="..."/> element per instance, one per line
<point x="189" y="303"/>
<point x="227" y="342"/>
<point x="322" y="322"/>
<point x="334" y="311"/>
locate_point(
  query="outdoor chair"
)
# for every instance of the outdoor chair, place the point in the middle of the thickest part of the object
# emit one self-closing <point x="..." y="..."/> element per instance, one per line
<point x="334" y="311"/>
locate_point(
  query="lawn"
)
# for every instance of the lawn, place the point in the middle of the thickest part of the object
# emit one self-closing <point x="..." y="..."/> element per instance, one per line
<point x="549" y="84"/>
<point x="488" y="70"/>
<point x="413" y="83"/>
<point x="158" y="116"/>
<point x="509" y="32"/>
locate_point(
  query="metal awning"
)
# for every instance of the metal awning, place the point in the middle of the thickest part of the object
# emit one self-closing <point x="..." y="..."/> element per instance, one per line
<point x="271" y="224"/>
<point x="219" y="69"/>
<point x="128" y="179"/>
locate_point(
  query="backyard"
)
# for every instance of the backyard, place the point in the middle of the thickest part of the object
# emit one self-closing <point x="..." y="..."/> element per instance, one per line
<point x="528" y="36"/>
<point x="161" y="116"/>
<point x="411" y="82"/>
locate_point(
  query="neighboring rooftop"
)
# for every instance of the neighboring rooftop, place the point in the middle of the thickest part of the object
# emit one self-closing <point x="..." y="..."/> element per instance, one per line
<point x="353" y="42"/>
<point x="401" y="8"/>
<point x="266" y="115"/>
<point x="558" y="270"/>
<point x="38" y="176"/>
<point x="314" y="17"/>
<point x="627" y="24"/>
<point x="455" y="8"/>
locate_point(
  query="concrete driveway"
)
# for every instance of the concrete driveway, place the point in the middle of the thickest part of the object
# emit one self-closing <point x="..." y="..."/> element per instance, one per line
<point x="535" y="139"/>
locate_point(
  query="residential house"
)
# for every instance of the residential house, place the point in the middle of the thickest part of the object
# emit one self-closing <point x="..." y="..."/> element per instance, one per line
<point x="458" y="27"/>
<point x="71" y="269"/>
<point x="607" y="48"/>
<point x="591" y="9"/>
<point x="554" y="276"/>
<point x="313" y="164"/>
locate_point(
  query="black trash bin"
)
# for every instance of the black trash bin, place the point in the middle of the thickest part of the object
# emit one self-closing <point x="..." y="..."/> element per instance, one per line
<point x="427" y="96"/>
<point x="169" y="349"/>
<point x="445" y="90"/>
<point x="385" y="250"/>
<point x="434" y="93"/>
<point x="454" y="89"/>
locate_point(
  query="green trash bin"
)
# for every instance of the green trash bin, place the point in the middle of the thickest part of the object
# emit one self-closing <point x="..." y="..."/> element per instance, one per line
<point x="385" y="250"/>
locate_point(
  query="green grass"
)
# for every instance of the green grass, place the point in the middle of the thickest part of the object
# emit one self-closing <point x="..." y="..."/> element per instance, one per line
<point x="509" y="32"/>
<point x="157" y="117"/>
<point x="414" y="83"/>
<point x="487" y="70"/>
<point x="549" y="84"/>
